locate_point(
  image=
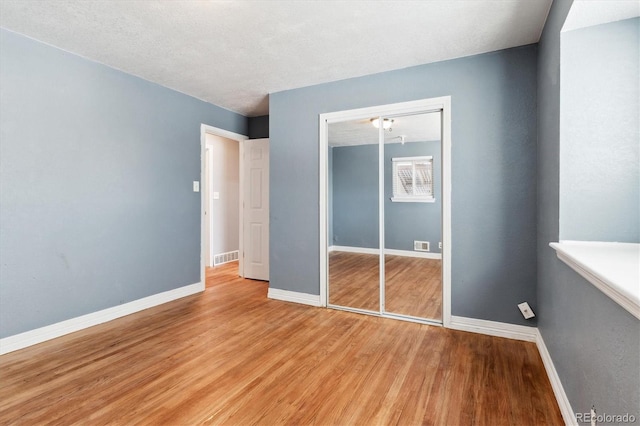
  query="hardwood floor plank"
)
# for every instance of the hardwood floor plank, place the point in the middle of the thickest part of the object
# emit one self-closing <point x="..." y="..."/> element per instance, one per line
<point x="230" y="356"/>
<point x="413" y="286"/>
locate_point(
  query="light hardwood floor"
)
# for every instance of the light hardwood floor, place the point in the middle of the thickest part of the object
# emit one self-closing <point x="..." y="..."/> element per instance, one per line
<point x="231" y="356"/>
<point x="413" y="286"/>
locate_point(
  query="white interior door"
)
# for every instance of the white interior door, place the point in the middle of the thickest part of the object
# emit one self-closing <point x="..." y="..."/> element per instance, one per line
<point x="256" y="209"/>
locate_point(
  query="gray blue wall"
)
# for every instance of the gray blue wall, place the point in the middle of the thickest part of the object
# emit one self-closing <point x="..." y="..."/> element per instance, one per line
<point x="494" y="174"/>
<point x="594" y="343"/>
<point x="600" y="133"/>
<point x="355" y="199"/>
<point x="355" y="196"/>
<point x="96" y="171"/>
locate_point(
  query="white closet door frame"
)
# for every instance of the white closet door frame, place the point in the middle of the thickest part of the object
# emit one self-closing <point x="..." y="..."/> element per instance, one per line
<point x="441" y="104"/>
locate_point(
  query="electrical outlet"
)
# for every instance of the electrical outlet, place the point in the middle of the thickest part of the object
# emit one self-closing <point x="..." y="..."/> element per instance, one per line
<point x="440" y="245"/>
<point x="526" y="310"/>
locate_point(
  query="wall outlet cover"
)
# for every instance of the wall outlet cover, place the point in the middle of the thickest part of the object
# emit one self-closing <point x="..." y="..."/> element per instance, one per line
<point x="526" y="310"/>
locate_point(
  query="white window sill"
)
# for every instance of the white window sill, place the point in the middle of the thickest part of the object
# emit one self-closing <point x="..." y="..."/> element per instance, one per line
<point x="614" y="268"/>
<point x="413" y="200"/>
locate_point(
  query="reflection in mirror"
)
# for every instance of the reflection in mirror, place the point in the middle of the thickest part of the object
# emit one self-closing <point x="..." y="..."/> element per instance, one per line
<point x="353" y="219"/>
<point x="413" y="217"/>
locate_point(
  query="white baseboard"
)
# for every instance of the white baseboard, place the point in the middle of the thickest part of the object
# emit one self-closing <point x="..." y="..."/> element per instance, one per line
<point x="558" y="390"/>
<point x="294" y="296"/>
<point x="405" y="253"/>
<point x="39" y="335"/>
<point x="494" y="328"/>
<point x="361" y="250"/>
<point x="409" y="253"/>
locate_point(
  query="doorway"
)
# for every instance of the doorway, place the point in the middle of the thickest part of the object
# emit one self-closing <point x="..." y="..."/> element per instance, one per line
<point x="209" y="136"/>
<point x="222" y="199"/>
<point x="385" y="197"/>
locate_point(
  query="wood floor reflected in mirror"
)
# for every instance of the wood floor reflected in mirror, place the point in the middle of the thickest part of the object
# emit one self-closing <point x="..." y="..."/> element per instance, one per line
<point x="413" y="286"/>
<point x="354" y="280"/>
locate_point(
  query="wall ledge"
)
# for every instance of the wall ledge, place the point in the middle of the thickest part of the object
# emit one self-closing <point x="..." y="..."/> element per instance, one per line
<point x="613" y="268"/>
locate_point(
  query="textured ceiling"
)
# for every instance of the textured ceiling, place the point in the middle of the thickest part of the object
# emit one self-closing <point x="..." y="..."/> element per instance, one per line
<point x="234" y="53"/>
<point x="412" y="128"/>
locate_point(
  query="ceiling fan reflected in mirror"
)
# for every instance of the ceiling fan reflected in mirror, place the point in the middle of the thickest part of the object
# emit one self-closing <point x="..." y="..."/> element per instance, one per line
<point x="386" y="123"/>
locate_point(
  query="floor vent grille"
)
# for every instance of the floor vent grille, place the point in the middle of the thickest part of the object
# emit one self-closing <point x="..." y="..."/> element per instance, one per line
<point x="221" y="258"/>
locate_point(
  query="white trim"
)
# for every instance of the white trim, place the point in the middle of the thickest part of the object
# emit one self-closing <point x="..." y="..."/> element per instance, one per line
<point x="39" y="335"/>
<point x="204" y="187"/>
<point x="293" y="296"/>
<point x="602" y="264"/>
<point x="392" y="252"/>
<point x="361" y="250"/>
<point x="413" y="200"/>
<point x="442" y="104"/>
<point x="381" y="215"/>
<point x="323" y="183"/>
<point x="207" y="195"/>
<point x="410" y="107"/>
<point x="445" y="116"/>
<point x="556" y="384"/>
<point x="205" y="128"/>
<point x="421" y="158"/>
<point x="241" y="209"/>
<point x="494" y="328"/>
<point x="409" y="253"/>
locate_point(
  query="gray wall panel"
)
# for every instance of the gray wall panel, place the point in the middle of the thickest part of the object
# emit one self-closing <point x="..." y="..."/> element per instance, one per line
<point x="594" y="343"/>
<point x="96" y="171"/>
<point x="600" y="133"/>
<point x="494" y="174"/>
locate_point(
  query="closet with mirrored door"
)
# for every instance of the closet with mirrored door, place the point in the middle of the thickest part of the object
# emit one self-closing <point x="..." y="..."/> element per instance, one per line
<point x="384" y="216"/>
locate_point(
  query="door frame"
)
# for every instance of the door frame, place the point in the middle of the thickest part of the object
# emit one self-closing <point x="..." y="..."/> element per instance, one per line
<point x="442" y="104"/>
<point x="204" y="189"/>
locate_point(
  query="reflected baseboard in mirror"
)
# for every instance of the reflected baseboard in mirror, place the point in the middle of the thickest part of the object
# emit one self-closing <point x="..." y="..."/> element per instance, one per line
<point x="413" y="286"/>
<point x="354" y="280"/>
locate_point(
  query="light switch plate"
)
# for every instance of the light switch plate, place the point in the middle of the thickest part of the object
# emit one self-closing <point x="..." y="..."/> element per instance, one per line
<point x="216" y="195"/>
<point x="196" y="186"/>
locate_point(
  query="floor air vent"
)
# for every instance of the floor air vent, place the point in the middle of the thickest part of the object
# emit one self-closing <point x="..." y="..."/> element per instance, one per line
<point x="221" y="258"/>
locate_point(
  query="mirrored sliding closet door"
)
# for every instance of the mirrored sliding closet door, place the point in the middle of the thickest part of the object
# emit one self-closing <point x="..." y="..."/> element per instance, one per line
<point x="384" y="216"/>
<point x="353" y="216"/>
<point x="413" y="217"/>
